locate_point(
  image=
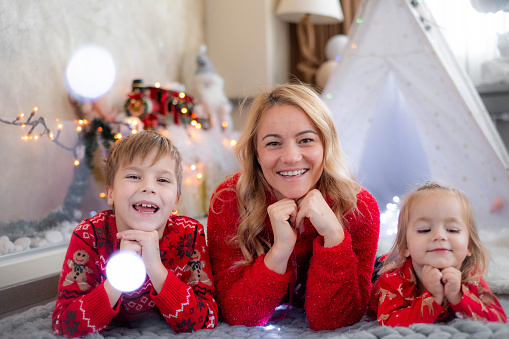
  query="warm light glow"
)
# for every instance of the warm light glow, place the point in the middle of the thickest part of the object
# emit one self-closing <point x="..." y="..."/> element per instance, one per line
<point x="193" y="123"/>
<point x="90" y="73"/>
<point x="36" y="109"/>
<point x="80" y="122"/>
<point x="198" y="126"/>
<point x="135" y="122"/>
<point x="224" y="124"/>
<point x="60" y="126"/>
<point x="193" y="167"/>
<point x="187" y="181"/>
<point x="76" y="162"/>
<point x="199" y="175"/>
<point x="23" y="126"/>
<point x="25" y="137"/>
<point x="51" y="136"/>
<point x="134" y="131"/>
<point x="354" y="46"/>
<point x="174" y="212"/>
<point x="100" y="129"/>
<point x="157" y="85"/>
<point x="78" y="128"/>
<point x="182" y="95"/>
<point x="118" y="136"/>
<point x="184" y="110"/>
<point x="233" y="142"/>
<point x="126" y="271"/>
<point x="21" y="115"/>
<point x="102" y="195"/>
<point x="36" y="137"/>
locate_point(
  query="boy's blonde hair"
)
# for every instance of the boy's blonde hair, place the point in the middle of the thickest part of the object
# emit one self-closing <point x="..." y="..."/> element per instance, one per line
<point x="473" y="267"/>
<point x="125" y="150"/>
<point x="336" y="181"/>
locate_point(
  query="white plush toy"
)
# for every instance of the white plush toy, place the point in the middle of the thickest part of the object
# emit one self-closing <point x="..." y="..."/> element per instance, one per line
<point x="208" y="92"/>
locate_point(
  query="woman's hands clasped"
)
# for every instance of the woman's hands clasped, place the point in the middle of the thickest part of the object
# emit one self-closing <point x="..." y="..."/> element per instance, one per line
<point x="287" y="220"/>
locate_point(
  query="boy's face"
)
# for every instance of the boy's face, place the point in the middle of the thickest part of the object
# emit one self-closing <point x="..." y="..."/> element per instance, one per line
<point x="144" y="195"/>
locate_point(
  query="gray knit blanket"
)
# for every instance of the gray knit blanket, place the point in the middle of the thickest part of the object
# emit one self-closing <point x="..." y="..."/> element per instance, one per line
<point x="36" y="323"/>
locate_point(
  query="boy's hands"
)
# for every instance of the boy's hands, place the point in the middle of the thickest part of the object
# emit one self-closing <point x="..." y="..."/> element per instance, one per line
<point x="146" y="244"/>
<point x="445" y="283"/>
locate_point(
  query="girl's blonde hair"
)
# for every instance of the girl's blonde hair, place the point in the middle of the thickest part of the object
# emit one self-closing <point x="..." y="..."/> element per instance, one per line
<point x="125" y="150"/>
<point x="473" y="267"/>
<point x="335" y="183"/>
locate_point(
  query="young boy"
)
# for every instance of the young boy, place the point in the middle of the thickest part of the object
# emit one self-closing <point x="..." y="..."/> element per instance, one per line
<point x="143" y="186"/>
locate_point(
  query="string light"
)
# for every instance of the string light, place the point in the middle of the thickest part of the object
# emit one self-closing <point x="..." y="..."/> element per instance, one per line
<point x="224" y="124"/>
<point x="102" y="195"/>
<point x="157" y="85"/>
<point x="193" y="167"/>
<point x="182" y="95"/>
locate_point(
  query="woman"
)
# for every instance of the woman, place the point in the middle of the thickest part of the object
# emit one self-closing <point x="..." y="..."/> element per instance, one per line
<point x="293" y="220"/>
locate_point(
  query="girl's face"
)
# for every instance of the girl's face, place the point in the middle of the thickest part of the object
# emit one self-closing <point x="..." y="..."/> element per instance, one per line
<point x="437" y="233"/>
<point x="144" y="194"/>
<point x="289" y="151"/>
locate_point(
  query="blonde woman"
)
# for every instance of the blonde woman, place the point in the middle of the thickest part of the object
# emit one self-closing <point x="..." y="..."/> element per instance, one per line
<point x="293" y="227"/>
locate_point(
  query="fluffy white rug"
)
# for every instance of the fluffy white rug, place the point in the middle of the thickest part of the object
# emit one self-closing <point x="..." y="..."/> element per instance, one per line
<point x="36" y="323"/>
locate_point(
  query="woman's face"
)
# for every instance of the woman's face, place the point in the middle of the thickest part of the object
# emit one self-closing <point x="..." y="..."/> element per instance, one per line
<point x="290" y="151"/>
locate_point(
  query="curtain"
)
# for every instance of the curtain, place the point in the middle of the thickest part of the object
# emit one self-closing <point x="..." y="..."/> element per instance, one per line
<point x="322" y="34"/>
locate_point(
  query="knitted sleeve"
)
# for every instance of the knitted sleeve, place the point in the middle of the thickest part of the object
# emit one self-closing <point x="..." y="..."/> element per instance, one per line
<point x="479" y="303"/>
<point x="398" y="307"/>
<point x="188" y="304"/>
<point x="82" y="305"/>
<point x="246" y="295"/>
<point x="339" y="278"/>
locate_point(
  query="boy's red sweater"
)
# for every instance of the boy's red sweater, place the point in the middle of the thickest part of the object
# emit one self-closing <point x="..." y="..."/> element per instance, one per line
<point x="185" y="300"/>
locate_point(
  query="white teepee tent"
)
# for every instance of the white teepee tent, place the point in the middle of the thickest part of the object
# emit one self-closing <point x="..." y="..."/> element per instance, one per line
<point x="406" y="112"/>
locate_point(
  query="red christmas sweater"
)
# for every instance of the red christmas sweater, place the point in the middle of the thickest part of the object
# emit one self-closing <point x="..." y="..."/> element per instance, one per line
<point x="185" y="301"/>
<point x="333" y="284"/>
<point x="397" y="301"/>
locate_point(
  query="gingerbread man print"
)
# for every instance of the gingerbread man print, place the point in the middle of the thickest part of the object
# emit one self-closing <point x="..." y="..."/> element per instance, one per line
<point x="196" y="268"/>
<point x="78" y="271"/>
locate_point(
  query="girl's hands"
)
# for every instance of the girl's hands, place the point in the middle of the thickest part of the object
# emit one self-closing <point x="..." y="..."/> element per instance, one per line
<point x="445" y="283"/>
<point x="432" y="281"/>
<point x="451" y="277"/>
<point x="314" y="207"/>
<point x="146" y="244"/>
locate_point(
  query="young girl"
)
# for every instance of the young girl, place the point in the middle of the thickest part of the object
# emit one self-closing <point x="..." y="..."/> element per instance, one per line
<point x="433" y="273"/>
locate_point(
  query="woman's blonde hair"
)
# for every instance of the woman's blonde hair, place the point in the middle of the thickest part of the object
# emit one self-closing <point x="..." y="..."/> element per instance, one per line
<point x="125" y="150"/>
<point x="336" y="182"/>
<point x="473" y="267"/>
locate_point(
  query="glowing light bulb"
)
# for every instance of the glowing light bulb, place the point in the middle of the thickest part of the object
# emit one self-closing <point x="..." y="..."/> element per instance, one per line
<point x="199" y="175"/>
<point x="193" y="123"/>
<point x="224" y="124"/>
<point x="76" y="162"/>
<point x="184" y="110"/>
<point x="193" y="167"/>
<point x="90" y="73"/>
<point x="118" y="136"/>
<point x="157" y="85"/>
<point x="102" y="195"/>
<point x="182" y="95"/>
<point x="78" y="128"/>
<point x="198" y="126"/>
<point x="233" y="143"/>
<point x="126" y="271"/>
<point x="60" y="126"/>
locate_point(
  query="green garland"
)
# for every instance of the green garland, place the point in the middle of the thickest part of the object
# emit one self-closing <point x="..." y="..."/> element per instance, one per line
<point x="76" y="190"/>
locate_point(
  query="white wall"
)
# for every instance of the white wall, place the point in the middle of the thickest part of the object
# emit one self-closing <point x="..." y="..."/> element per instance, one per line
<point x="248" y="45"/>
<point x="155" y="40"/>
